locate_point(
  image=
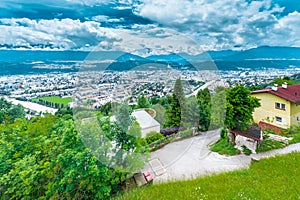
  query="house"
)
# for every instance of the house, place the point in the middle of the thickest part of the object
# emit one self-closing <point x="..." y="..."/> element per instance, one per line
<point x="146" y="122"/>
<point x="249" y="138"/>
<point x="280" y="107"/>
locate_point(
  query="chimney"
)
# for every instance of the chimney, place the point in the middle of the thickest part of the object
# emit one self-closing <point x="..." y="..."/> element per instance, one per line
<point x="275" y="87"/>
<point x="284" y="85"/>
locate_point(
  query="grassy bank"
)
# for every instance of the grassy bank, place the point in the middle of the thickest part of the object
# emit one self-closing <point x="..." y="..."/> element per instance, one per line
<point x="273" y="178"/>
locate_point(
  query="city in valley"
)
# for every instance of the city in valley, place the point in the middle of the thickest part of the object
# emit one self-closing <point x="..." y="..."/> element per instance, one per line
<point x="101" y="87"/>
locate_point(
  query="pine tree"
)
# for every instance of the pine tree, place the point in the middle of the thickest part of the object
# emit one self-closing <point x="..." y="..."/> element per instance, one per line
<point x="143" y="102"/>
<point x="176" y="110"/>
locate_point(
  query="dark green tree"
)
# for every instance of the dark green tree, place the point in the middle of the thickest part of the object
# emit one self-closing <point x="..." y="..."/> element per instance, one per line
<point x="160" y="114"/>
<point x="10" y="112"/>
<point x="192" y="112"/>
<point x="176" y="110"/>
<point x="143" y="102"/>
<point x="240" y="106"/>
<point x="123" y="119"/>
<point x="204" y="104"/>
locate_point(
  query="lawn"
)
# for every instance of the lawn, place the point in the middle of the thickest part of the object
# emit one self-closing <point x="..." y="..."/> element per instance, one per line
<point x="55" y="99"/>
<point x="272" y="178"/>
<point x="223" y="146"/>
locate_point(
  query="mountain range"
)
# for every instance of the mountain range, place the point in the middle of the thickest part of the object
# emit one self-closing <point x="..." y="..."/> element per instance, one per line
<point x="264" y="56"/>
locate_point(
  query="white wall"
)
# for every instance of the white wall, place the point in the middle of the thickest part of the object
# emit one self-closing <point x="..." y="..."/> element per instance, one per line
<point x="249" y="143"/>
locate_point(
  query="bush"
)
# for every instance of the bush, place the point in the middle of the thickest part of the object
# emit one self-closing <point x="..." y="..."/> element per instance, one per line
<point x="223" y="133"/>
<point x="186" y="133"/>
<point x="268" y="144"/>
<point x="223" y="146"/>
<point x="246" y="150"/>
<point x="153" y="136"/>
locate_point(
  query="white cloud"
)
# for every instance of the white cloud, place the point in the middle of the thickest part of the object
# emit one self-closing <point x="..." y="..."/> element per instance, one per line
<point x="72" y="34"/>
<point x="224" y="23"/>
<point x="61" y="34"/>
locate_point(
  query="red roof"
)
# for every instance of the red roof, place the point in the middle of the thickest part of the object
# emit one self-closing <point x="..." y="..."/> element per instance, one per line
<point x="291" y="93"/>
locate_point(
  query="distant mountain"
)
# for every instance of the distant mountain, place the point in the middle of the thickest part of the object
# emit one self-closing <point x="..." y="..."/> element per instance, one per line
<point x="23" y="61"/>
<point x="130" y="57"/>
<point x="169" y="58"/>
<point x="266" y="52"/>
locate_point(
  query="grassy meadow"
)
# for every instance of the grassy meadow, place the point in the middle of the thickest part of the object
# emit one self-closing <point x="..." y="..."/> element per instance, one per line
<point x="55" y="99"/>
<point x="272" y="178"/>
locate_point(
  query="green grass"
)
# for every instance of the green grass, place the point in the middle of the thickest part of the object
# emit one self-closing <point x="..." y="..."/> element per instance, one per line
<point x="296" y="138"/>
<point x="273" y="178"/>
<point x="223" y="146"/>
<point x="55" y="99"/>
<point x="268" y="144"/>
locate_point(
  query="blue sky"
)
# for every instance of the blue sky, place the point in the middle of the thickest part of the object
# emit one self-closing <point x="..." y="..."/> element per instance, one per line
<point x="148" y="26"/>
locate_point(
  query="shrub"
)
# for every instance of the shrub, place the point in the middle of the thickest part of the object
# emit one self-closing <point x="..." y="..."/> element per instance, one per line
<point x="186" y="133"/>
<point x="223" y="146"/>
<point x="246" y="150"/>
<point x="223" y="133"/>
<point x="153" y="136"/>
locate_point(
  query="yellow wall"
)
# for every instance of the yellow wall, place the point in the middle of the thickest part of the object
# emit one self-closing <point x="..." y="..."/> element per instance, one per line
<point x="267" y="111"/>
<point x="295" y="114"/>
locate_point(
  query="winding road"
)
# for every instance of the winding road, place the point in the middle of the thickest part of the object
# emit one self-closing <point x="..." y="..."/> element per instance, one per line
<point x="191" y="157"/>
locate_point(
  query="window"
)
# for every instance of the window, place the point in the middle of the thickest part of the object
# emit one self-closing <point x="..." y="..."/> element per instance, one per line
<point x="278" y="119"/>
<point x="280" y="106"/>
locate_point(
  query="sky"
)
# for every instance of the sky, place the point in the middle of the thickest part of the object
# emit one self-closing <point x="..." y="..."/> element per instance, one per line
<point x="148" y="27"/>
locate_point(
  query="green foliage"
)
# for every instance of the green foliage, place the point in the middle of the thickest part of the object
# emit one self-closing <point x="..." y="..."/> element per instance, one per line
<point x="176" y="108"/>
<point x="153" y="136"/>
<point x="204" y="106"/>
<point x="269" y="144"/>
<point x="160" y="114"/>
<point x="223" y="146"/>
<point x="45" y="158"/>
<point x="123" y="119"/>
<point x="135" y="130"/>
<point x="218" y="108"/>
<point x="186" y="133"/>
<point x="10" y="112"/>
<point x="223" y="133"/>
<point x="283" y="80"/>
<point x="204" y="95"/>
<point x="192" y="113"/>
<point x="273" y="178"/>
<point x="143" y="102"/>
<point x="240" y="106"/>
<point x="246" y="150"/>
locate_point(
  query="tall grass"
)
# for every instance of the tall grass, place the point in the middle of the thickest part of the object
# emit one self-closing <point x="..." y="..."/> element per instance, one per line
<point x="272" y="178"/>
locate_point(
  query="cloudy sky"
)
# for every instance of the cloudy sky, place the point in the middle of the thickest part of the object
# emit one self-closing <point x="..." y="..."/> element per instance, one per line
<point x="148" y="26"/>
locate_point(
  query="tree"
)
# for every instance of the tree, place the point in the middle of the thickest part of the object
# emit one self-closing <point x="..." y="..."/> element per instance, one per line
<point x="204" y="95"/>
<point x="160" y="114"/>
<point x="218" y="108"/>
<point x="10" y="112"/>
<point x="143" y="102"/>
<point x="240" y="106"/>
<point x="280" y="81"/>
<point x="204" y="105"/>
<point x="192" y="112"/>
<point x="123" y="119"/>
<point x="176" y="110"/>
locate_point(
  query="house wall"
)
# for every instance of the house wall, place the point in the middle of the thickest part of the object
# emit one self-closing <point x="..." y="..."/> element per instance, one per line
<point x="249" y="143"/>
<point x="268" y="113"/>
<point x="295" y="114"/>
